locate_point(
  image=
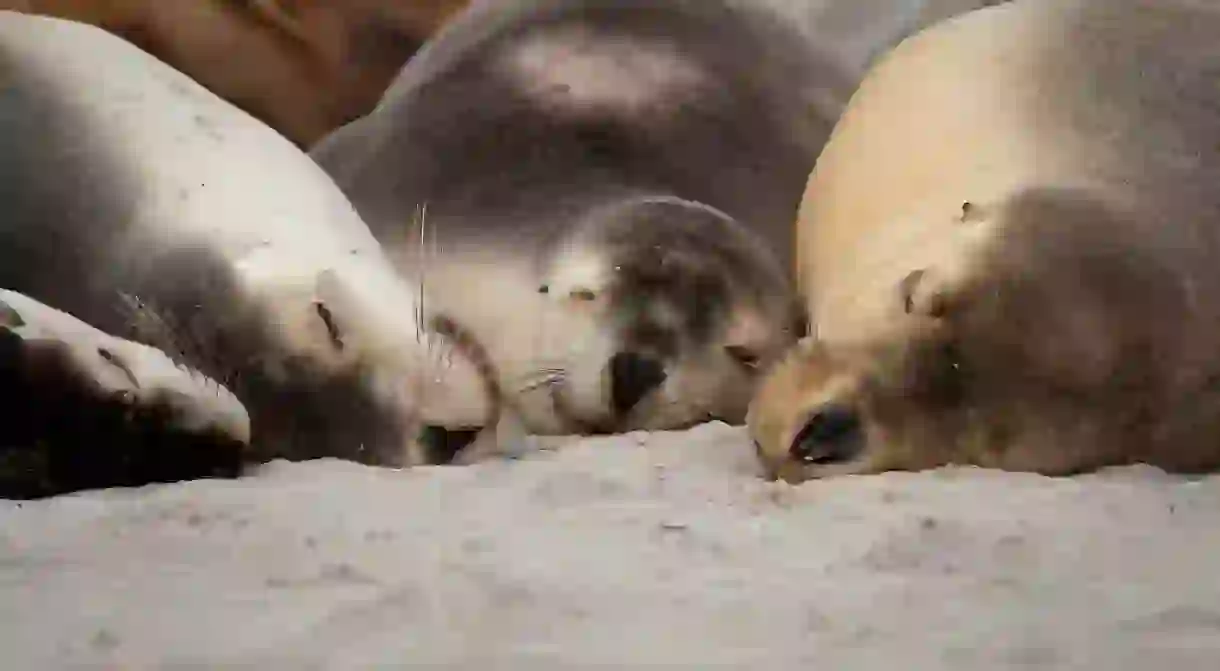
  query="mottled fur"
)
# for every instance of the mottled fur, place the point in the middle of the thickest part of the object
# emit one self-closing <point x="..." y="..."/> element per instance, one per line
<point x="604" y="178"/>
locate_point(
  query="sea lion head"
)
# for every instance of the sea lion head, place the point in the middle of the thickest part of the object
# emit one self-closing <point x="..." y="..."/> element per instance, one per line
<point x="674" y="309"/>
<point x="852" y="408"/>
<point x="340" y="361"/>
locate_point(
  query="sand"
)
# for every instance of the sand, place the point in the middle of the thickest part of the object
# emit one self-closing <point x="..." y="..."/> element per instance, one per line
<point x="658" y="549"/>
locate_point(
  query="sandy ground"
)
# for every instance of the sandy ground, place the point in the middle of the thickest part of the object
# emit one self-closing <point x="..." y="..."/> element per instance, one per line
<point x="641" y="550"/>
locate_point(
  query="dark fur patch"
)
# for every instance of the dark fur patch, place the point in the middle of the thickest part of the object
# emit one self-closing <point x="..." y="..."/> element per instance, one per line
<point x="58" y="437"/>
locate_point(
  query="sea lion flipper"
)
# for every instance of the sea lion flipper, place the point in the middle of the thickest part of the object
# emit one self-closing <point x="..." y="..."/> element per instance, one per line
<point x="87" y="409"/>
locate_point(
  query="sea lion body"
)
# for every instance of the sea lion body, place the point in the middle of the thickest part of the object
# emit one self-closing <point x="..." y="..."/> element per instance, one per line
<point x="609" y="189"/>
<point x="1009" y="250"/>
<point x="854" y="33"/>
<point x="148" y="208"/>
<point x="303" y="67"/>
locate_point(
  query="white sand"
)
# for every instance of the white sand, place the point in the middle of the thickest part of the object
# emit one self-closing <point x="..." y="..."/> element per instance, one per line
<point x="661" y="549"/>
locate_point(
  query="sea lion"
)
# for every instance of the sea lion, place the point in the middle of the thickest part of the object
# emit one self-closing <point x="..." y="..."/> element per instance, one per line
<point x="856" y="32"/>
<point x="304" y="67"/>
<point x="609" y="187"/>
<point x="84" y="408"/>
<point x="148" y="208"/>
<point x="1009" y="249"/>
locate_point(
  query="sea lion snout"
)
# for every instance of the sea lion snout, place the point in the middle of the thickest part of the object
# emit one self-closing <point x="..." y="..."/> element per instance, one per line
<point x="834" y="433"/>
<point x="632" y="377"/>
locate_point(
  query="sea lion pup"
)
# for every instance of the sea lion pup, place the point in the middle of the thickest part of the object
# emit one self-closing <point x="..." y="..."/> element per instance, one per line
<point x="304" y="67"/>
<point x="609" y="187"/>
<point x="1010" y="248"/>
<point x="148" y="208"/>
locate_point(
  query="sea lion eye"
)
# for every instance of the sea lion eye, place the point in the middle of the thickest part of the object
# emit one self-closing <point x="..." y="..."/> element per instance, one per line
<point x="332" y="329"/>
<point x="834" y="434"/>
<point x="583" y="295"/>
<point x="744" y="356"/>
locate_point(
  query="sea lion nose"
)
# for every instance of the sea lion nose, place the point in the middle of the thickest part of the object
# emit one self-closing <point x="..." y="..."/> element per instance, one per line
<point x="442" y="445"/>
<point x="632" y="377"/>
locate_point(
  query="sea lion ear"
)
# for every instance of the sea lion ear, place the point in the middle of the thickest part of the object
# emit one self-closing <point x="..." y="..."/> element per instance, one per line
<point x="923" y="295"/>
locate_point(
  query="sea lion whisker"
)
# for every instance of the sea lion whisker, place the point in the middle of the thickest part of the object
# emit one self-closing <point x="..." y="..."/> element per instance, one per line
<point x="550" y="380"/>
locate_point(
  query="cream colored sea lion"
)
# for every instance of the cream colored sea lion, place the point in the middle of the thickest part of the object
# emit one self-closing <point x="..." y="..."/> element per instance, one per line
<point x="140" y="212"/>
<point x="304" y="67"/>
<point x="609" y="187"/>
<point x="1010" y="248"/>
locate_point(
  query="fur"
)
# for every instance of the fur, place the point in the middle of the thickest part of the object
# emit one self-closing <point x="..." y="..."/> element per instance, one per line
<point x="1009" y="250"/>
<point x="605" y="181"/>
<point x="142" y="207"/>
<point x="304" y="67"/>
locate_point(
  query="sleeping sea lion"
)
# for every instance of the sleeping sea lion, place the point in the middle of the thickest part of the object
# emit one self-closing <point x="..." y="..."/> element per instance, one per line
<point x="1009" y="248"/>
<point x="142" y="211"/>
<point x="608" y="188"/>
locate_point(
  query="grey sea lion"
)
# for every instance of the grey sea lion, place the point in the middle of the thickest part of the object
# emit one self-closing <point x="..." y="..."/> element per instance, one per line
<point x="1009" y="251"/>
<point x="141" y="213"/>
<point x="609" y="189"/>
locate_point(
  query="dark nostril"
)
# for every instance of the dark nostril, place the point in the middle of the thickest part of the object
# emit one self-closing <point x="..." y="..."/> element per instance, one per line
<point x="632" y="377"/>
<point x="441" y="445"/>
<point x="832" y="435"/>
